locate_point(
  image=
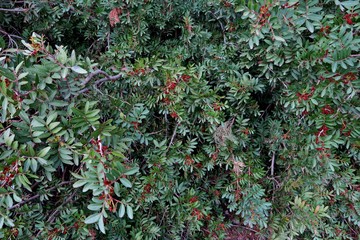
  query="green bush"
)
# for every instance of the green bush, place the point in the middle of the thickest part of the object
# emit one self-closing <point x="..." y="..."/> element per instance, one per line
<point x="193" y="117"/>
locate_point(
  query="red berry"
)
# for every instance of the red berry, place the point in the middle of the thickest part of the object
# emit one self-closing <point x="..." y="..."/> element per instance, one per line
<point x="174" y="115"/>
<point x="327" y="110"/>
<point x="185" y="77"/>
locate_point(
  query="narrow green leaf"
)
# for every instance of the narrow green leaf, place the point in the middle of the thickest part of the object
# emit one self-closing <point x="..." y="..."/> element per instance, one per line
<point x="7" y="73"/>
<point x="129" y="212"/>
<point x="278" y="38"/>
<point x="78" y="176"/>
<point x="94" y="207"/>
<point x="43" y="152"/>
<point x="122" y="210"/>
<point x="309" y="26"/>
<point x="132" y="171"/>
<point x="79" y="70"/>
<point x="79" y="183"/>
<point x="126" y="182"/>
<point x="93" y="218"/>
<point x="101" y="224"/>
<point x="4" y="109"/>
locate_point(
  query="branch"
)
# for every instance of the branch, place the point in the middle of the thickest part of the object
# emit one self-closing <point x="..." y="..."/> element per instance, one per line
<point x="14" y="9"/>
<point x="56" y="212"/>
<point x="93" y="74"/>
<point x="172" y="137"/>
<point x="110" y="78"/>
<point x="37" y="195"/>
<point x="221" y="26"/>
<point x="272" y="164"/>
<point x="24" y="201"/>
<point x="105" y="79"/>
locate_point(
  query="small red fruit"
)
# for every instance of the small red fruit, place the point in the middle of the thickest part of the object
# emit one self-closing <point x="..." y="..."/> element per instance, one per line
<point x="327" y="110"/>
<point x="174" y="115"/>
<point x="185" y="77"/>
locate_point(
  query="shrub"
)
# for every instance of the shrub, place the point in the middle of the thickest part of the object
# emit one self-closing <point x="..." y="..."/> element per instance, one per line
<point x="214" y="114"/>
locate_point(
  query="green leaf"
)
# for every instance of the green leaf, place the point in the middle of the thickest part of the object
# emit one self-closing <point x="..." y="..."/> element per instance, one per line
<point x="122" y="210"/>
<point x="3" y="190"/>
<point x="16" y="197"/>
<point x="43" y="152"/>
<point x="94" y="207"/>
<point x="4" y="109"/>
<point x="129" y="212"/>
<point x="6" y="154"/>
<point x="93" y="218"/>
<point x="2" y="45"/>
<point x="309" y="26"/>
<point x="9" y="201"/>
<point x="24" y="117"/>
<point x="79" y="183"/>
<point x="132" y="171"/>
<point x="79" y="70"/>
<point x="51" y="117"/>
<point x="9" y="222"/>
<point x="280" y="39"/>
<point x="78" y="176"/>
<point x="334" y="67"/>
<point x="58" y="103"/>
<point x="42" y="161"/>
<point x="350" y="4"/>
<point x="22" y="75"/>
<point x="101" y="224"/>
<point x="7" y="73"/>
<point x="126" y="182"/>
<point x="25" y="182"/>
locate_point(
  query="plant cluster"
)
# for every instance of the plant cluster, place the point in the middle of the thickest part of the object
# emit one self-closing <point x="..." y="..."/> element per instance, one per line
<point x="179" y="119"/>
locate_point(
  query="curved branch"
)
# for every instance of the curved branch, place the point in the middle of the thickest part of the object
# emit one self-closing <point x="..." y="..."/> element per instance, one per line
<point x="93" y="74"/>
<point x="102" y="80"/>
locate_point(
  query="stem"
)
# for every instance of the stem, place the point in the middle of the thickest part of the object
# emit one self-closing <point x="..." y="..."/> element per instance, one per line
<point x="172" y="137"/>
<point x="37" y="195"/>
<point x="53" y="215"/>
<point x="14" y="9"/>
<point x="98" y="72"/>
<point x="272" y="164"/>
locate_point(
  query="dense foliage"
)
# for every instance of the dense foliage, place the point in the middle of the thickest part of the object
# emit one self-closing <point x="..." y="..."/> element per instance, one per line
<point x="179" y="119"/>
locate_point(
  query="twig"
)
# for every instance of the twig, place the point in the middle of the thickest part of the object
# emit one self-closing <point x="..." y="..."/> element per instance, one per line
<point x="38" y="195"/>
<point x="110" y="78"/>
<point x="12" y="42"/>
<point x="14" y="9"/>
<point x="102" y="80"/>
<point x="24" y="201"/>
<point x="221" y="26"/>
<point x="93" y="74"/>
<point x="272" y="164"/>
<point x="53" y="215"/>
<point x="173" y="137"/>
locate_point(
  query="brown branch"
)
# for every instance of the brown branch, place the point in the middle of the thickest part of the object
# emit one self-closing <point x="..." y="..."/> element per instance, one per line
<point x="173" y="137"/>
<point x="272" y="164"/>
<point x="97" y="82"/>
<point x="37" y="195"/>
<point x="93" y="74"/>
<point x="110" y="78"/>
<point x="56" y="212"/>
<point x="24" y="201"/>
<point x="14" y="9"/>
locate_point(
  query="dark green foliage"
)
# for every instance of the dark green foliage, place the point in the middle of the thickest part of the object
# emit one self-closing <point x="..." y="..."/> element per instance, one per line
<point x="195" y="115"/>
